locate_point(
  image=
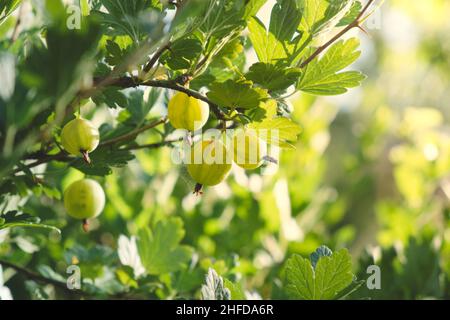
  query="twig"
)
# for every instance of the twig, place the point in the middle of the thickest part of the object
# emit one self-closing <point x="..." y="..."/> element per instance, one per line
<point x="16" y="30"/>
<point x="133" y="133"/>
<point x="202" y="62"/>
<point x="129" y="82"/>
<point x="61" y="156"/>
<point x="153" y="145"/>
<point x="354" y="24"/>
<point x="64" y="157"/>
<point x="37" y="277"/>
<point x="156" y="56"/>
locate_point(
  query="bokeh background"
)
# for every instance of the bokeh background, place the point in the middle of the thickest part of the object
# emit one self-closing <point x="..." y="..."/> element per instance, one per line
<point x="370" y="172"/>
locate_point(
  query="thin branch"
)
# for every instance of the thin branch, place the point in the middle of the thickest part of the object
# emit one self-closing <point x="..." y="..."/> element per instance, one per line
<point x="129" y="82"/>
<point x="354" y="24"/>
<point x="133" y="133"/>
<point x="61" y="156"/>
<point x="16" y="30"/>
<point x="202" y="62"/>
<point x="39" y="278"/>
<point x="64" y="157"/>
<point x="153" y="145"/>
<point x="156" y="56"/>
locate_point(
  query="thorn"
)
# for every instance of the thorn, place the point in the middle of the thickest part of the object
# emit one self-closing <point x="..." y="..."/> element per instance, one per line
<point x="360" y="27"/>
<point x="198" y="189"/>
<point x="270" y="159"/>
<point x="188" y="138"/>
<point x="85" y="225"/>
<point x="86" y="156"/>
<point x="184" y="79"/>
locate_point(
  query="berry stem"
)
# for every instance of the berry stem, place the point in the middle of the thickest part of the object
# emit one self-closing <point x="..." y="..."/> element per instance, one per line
<point x="198" y="189"/>
<point x="86" y="157"/>
<point x="79" y="110"/>
<point x="85" y="225"/>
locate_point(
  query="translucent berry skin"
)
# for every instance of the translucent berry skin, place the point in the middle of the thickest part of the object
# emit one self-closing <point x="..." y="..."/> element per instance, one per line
<point x="84" y="199"/>
<point x="79" y="136"/>
<point x="202" y="169"/>
<point x="248" y="150"/>
<point x="186" y="112"/>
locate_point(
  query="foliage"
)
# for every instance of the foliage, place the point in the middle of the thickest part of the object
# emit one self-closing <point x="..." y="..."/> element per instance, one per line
<point x="353" y="181"/>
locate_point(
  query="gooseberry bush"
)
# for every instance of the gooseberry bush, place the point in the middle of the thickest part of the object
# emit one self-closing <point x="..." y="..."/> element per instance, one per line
<point x="98" y="98"/>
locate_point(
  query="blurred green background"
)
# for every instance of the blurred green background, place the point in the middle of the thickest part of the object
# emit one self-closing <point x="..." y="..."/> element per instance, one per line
<point x="371" y="173"/>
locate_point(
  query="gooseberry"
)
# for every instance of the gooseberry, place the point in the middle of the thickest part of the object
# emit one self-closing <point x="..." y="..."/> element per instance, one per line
<point x="80" y="136"/>
<point x="185" y="112"/>
<point x="84" y="199"/>
<point x="209" y="163"/>
<point x="249" y="149"/>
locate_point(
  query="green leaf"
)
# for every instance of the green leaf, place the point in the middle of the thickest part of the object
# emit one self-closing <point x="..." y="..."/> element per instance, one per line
<point x="321" y="76"/>
<point x="351" y="15"/>
<point x="267" y="47"/>
<point x="49" y="273"/>
<point x="94" y="255"/>
<point x="57" y="70"/>
<point x="118" y="50"/>
<point x="7" y="7"/>
<point x="278" y="131"/>
<point x="353" y="287"/>
<point x="36" y="291"/>
<point x="214" y="289"/>
<point x="277" y="42"/>
<point x="335" y="84"/>
<point x="321" y="15"/>
<point x="102" y="159"/>
<point x="252" y="7"/>
<point x="236" y="94"/>
<point x="182" y="54"/>
<point x="300" y="278"/>
<point x="113" y="97"/>
<point x="126" y="277"/>
<point x="266" y="110"/>
<point x="138" y="107"/>
<point x="220" y="19"/>
<point x="236" y="291"/>
<point x="232" y="51"/>
<point x="121" y="19"/>
<point x="400" y="269"/>
<point x="322" y="251"/>
<point x="272" y="77"/>
<point x="160" y="249"/>
<point x="421" y="258"/>
<point x="284" y="20"/>
<point x="331" y="275"/>
<point x="14" y="219"/>
<point x="222" y="66"/>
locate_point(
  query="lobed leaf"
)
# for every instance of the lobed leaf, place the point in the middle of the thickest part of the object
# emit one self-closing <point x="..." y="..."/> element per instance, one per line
<point x="322" y="77"/>
<point x="160" y="249"/>
<point x="236" y="94"/>
<point x="332" y="274"/>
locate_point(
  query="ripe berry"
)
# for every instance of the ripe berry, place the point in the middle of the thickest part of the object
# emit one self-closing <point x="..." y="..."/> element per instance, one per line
<point x="84" y="199"/>
<point x="209" y="163"/>
<point x="186" y="112"/>
<point x="79" y="136"/>
<point x="248" y="149"/>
